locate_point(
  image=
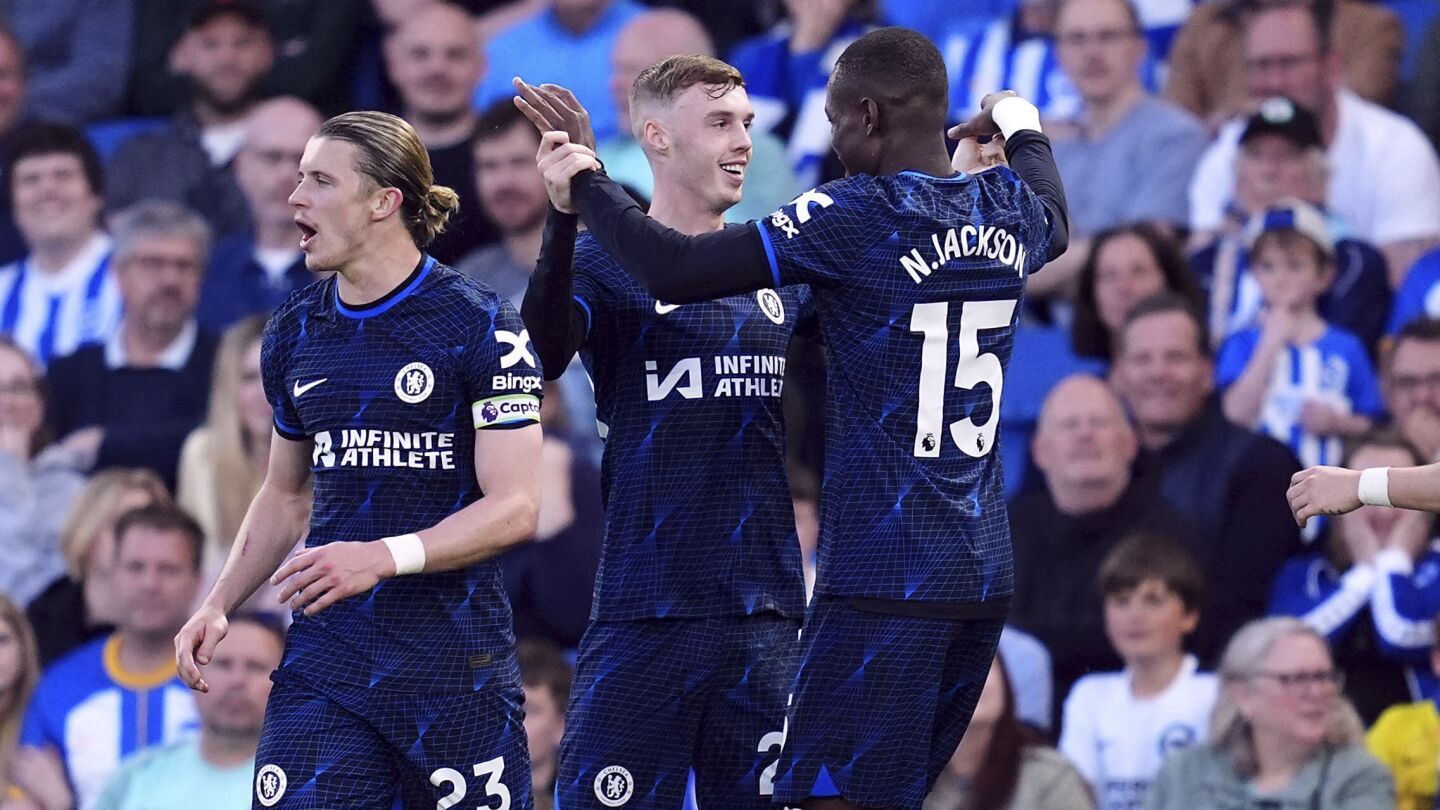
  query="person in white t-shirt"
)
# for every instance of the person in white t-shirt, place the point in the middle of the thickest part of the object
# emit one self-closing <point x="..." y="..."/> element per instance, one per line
<point x="1384" y="177"/>
<point x="1119" y="727"/>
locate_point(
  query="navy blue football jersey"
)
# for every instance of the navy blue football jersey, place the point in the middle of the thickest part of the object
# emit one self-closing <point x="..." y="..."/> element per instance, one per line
<point x="698" y="519"/>
<point x="917" y="281"/>
<point x="391" y="395"/>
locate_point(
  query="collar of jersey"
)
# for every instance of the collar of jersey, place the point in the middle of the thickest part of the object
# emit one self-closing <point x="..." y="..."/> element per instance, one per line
<point x="955" y="176"/>
<point x="390" y="299"/>
<point x="133" y="680"/>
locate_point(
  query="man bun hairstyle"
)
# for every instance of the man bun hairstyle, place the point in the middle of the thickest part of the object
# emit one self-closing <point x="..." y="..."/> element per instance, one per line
<point x="391" y="155"/>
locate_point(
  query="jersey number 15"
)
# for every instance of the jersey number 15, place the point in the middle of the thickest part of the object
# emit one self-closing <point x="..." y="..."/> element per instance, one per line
<point x="973" y="368"/>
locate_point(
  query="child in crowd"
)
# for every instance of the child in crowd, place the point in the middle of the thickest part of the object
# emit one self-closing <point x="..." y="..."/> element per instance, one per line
<point x="1119" y="727"/>
<point x="1296" y="377"/>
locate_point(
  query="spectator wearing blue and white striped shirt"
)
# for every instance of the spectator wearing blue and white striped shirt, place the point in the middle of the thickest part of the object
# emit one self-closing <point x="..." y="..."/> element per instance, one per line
<point x="1374" y="592"/>
<point x="62" y="295"/>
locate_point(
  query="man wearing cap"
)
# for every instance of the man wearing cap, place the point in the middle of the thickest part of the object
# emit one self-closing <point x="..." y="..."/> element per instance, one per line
<point x="224" y="55"/>
<point x="1280" y="157"/>
<point x="1384" y="176"/>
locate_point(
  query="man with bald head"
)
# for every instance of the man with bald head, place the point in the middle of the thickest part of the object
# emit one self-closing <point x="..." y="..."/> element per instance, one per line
<point x="1085" y="448"/>
<point x="433" y="57"/>
<point x="251" y="272"/>
<point x="650" y="37"/>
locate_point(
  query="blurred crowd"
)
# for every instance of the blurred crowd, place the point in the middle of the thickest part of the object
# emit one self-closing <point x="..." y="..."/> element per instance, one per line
<point x="1252" y="287"/>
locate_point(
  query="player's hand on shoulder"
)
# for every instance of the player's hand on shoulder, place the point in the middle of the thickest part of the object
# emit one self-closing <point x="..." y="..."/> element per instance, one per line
<point x="551" y="107"/>
<point x="195" y="643"/>
<point x="559" y="160"/>
<point x="1323" y="491"/>
<point x="317" y="578"/>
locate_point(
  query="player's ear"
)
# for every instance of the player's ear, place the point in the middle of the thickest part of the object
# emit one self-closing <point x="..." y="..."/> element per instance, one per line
<point x="870" y="116"/>
<point x="654" y="135"/>
<point x="385" y="202"/>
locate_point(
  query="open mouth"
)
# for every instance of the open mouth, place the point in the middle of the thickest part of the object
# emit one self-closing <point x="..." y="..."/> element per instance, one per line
<point x="307" y="234"/>
<point x="736" y="170"/>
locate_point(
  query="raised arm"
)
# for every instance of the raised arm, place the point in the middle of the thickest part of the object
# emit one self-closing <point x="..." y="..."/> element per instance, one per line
<point x="557" y="324"/>
<point x="1335" y="490"/>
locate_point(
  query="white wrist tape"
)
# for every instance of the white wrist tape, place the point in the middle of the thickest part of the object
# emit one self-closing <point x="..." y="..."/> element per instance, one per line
<point x="1013" y="113"/>
<point x="1375" y="486"/>
<point x="408" y="552"/>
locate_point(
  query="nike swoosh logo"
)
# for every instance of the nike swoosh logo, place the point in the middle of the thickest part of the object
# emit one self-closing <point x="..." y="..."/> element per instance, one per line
<point x="301" y="389"/>
<point x="665" y="309"/>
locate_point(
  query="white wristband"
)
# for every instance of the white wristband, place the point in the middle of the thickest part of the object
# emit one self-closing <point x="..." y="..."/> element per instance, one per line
<point x="1013" y="113"/>
<point x="408" y="552"/>
<point x="1375" y="486"/>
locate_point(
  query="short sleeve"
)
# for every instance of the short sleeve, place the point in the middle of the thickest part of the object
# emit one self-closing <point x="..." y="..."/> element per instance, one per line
<point x="1234" y="355"/>
<point x="502" y="375"/>
<point x="275" y="351"/>
<point x="815" y="238"/>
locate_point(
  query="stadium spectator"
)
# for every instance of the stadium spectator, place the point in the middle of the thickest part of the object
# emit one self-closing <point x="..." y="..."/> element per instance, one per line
<point x="63" y="294"/>
<point x="219" y="764"/>
<point x="1121" y="267"/>
<point x="1208" y="71"/>
<point x="1281" y="734"/>
<point x="1226" y="479"/>
<point x="1406" y="739"/>
<point x="82" y="605"/>
<point x="1001" y="764"/>
<point x="434" y="59"/>
<point x="19" y="672"/>
<point x="511" y="193"/>
<point x="223" y="56"/>
<point x="12" y="107"/>
<point x="1296" y="377"/>
<point x="645" y="40"/>
<point x="123" y="690"/>
<point x="785" y="72"/>
<point x="1384" y="176"/>
<point x="1281" y="157"/>
<point x="567" y="41"/>
<point x="1412" y="386"/>
<point x="77" y="55"/>
<point x="1101" y="48"/>
<point x="131" y="401"/>
<point x="1120" y="727"/>
<point x="1015" y="50"/>
<point x="1084" y="447"/>
<point x="546" y="676"/>
<point x="252" y="272"/>
<point x="36" y="487"/>
<point x="1372" y="591"/>
<point x="1419" y="295"/>
<point x="223" y="461"/>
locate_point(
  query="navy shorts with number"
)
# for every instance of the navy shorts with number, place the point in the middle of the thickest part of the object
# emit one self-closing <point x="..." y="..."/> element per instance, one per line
<point x="654" y="698"/>
<point x="881" y="701"/>
<point x="362" y="748"/>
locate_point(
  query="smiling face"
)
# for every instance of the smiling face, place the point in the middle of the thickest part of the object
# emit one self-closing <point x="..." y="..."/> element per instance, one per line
<point x="1291" y="695"/>
<point x="1161" y="373"/>
<point x="703" y="143"/>
<point x="53" y="199"/>
<point x="226" y="60"/>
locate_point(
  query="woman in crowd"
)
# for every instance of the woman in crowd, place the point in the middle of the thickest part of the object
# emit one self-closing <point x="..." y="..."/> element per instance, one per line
<point x="223" y="461"/>
<point x="37" y="480"/>
<point x="1281" y="736"/>
<point x="19" y="672"/>
<point x="1001" y="764"/>
<point x="1373" y="591"/>
<point x="1126" y="264"/>
<point x="80" y="606"/>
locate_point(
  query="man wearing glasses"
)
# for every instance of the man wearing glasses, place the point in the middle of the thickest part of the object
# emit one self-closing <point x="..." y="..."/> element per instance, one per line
<point x="1384" y="178"/>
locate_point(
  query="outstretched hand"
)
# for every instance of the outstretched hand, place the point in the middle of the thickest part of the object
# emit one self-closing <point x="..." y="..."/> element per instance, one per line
<point x="552" y="108"/>
<point x="982" y="124"/>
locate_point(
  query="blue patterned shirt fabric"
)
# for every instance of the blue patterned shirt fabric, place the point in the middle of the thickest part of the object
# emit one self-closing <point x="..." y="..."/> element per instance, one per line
<point x="698" y="518"/>
<point x="917" y="281"/>
<point x="390" y="395"/>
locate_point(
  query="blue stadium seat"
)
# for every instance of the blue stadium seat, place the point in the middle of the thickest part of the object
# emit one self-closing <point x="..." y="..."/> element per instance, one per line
<point x="107" y="136"/>
<point x="1041" y="358"/>
<point x="1416" y="15"/>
